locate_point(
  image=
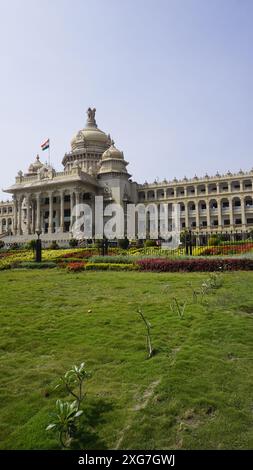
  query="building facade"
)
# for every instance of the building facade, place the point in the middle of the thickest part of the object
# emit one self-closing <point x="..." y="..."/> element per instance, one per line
<point x="43" y="199"/>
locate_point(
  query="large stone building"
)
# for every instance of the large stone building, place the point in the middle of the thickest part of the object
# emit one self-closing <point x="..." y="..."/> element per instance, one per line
<point x="43" y="199"/>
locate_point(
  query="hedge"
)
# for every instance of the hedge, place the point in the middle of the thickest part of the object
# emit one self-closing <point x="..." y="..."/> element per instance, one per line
<point x="110" y="267"/>
<point x="188" y="265"/>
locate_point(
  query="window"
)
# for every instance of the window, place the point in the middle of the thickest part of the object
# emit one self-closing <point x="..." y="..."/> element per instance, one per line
<point x="225" y="204"/>
<point x="226" y="222"/>
<point x="204" y="223"/>
<point x="193" y="224"/>
<point x="237" y="204"/>
<point x="46" y="214"/>
<point x="238" y="221"/>
<point x="46" y="201"/>
<point x="215" y="222"/>
<point x="67" y="213"/>
<point x="67" y="198"/>
<point x="203" y="206"/>
<point x="250" y="221"/>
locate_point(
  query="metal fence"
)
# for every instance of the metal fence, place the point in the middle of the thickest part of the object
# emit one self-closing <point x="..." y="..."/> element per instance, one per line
<point x="216" y="243"/>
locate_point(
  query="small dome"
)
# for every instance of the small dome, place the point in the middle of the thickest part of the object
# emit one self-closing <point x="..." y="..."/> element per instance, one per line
<point x="34" y="167"/>
<point x="112" y="153"/>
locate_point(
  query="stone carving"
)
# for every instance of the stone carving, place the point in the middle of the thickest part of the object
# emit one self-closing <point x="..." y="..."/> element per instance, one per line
<point x="107" y="192"/>
<point x="91" y="116"/>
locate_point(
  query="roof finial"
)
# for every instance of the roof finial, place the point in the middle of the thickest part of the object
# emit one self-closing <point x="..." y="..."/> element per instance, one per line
<point x="91" y="121"/>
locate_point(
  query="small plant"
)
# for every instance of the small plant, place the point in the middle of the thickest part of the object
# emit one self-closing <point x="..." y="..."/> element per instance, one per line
<point x="66" y="417"/>
<point x="72" y="379"/>
<point x="148" y="340"/>
<point x="178" y="307"/>
<point x="67" y="413"/>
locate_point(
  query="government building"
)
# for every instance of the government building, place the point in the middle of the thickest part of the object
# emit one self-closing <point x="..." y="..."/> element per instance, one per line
<point x="43" y="198"/>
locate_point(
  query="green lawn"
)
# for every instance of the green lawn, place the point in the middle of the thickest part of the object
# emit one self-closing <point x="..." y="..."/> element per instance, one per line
<point x="195" y="393"/>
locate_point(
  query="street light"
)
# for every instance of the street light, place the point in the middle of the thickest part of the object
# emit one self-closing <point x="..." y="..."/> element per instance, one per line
<point x="38" y="247"/>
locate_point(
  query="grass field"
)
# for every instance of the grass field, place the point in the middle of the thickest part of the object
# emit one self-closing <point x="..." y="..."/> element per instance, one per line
<point x="195" y="393"/>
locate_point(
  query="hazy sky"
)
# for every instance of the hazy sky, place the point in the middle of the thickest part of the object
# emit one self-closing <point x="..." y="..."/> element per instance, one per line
<point x="172" y="81"/>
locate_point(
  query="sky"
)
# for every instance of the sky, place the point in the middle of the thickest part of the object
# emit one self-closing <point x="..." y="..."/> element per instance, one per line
<point x="172" y="82"/>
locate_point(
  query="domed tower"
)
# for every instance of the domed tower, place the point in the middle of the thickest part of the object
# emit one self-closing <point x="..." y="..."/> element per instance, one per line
<point x="34" y="167"/>
<point x="113" y="174"/>
<point x="87" y="146"/>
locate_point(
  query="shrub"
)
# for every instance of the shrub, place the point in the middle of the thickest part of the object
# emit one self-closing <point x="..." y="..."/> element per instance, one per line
<point x="123" y="243"/>
<point x="73" y="242"/>
<point x="34" y="265"/>
<point x="54" y="245"/>
<point x="110" y="267"/>
<point x="1" y="244"/>
<point x="31" y="245"/>
<point x="175" y="265"/>
<point x="123" y="259"/>
<point x="149" y="243"/>
<point x="76" y="266"/>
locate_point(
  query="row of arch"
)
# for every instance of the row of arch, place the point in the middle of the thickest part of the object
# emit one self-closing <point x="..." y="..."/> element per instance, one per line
<point x="197" y="190"/>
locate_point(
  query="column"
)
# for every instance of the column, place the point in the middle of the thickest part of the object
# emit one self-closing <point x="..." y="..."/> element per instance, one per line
<point x="15" y="215"/>
<point x="71" y="209"/>
<point x="219" y="214"/>
<point x="208" y="220"/>
<point x="62" y="212"/>
<point x="50" y="219"/>
<point x="197" y="213"/>
<point x="243" y="213"/>
<point x="38" y="220"/>
<point x="218" y="188"/>
<point x="20" y="215"/>
<point x="229" y="187"/>
<point x="28" y="214"/>
<point x="241" y="185"/>
<point x="186" y="215"/>
<point x="231" y="215"/>
<point x="33" y="216"/>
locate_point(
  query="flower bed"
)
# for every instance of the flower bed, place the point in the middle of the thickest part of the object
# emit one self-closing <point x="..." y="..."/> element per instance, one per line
<point x="227" y="249"/>
<point x="175" y="265"/>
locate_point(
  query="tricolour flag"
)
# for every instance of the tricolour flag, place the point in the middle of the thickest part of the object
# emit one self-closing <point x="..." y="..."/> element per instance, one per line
<point x="45" y="145"/>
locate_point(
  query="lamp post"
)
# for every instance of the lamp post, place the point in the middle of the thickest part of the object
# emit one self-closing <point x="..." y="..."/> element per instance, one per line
<point x="38" y="247"/>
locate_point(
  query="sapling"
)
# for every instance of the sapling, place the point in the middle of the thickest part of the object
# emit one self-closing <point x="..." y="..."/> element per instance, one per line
<point x="178" y="307"/>
<point x="66" y="416"/>
<point x="148" y="326"/>
<point x="72" y="379"/>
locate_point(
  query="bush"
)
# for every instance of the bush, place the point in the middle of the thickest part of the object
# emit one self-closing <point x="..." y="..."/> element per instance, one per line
<point x="31" y="245"/>
<point x="110" y="267"/>
<point x="123" y="243"/>
<point x="34" y="265"/>
<point x="172" y="265"/>
<point x="75" y="266"/>
<point x="54" y="245"/>
<point x="73" y="242"/>
<point x="123" y="259"/>
<point x="1" y="244"/>
<point x="214" y="240"/>
<point x="149" y="243"/>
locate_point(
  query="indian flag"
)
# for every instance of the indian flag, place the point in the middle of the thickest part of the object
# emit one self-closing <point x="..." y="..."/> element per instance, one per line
<point x="45" y="145"/>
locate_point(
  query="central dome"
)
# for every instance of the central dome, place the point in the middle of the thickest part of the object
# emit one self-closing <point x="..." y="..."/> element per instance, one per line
<point x="90" y="135"/>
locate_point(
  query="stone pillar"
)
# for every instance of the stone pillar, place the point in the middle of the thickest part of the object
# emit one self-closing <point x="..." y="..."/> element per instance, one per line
<point x="231" y="215"/>
<point x="229" y="187"/>
<point x="38" y="220"/>
<point x="71" y="209"/>
<point x="33" y="217"/>
<point x="20" y="215"/>
<point x="186" y="215"/>
<point x="50" y="219"/>
<point x="28" y="214"/>
<point x="217" y="188"/>
<point x="197" y="213"/>
<point x="241" y="185"/>
<point x="15" y="216"/>
<point x="243" y="213"/>
<point x="62" y="212"/>
<point x="208" y="219"/>
<point x="219" y="214"/>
